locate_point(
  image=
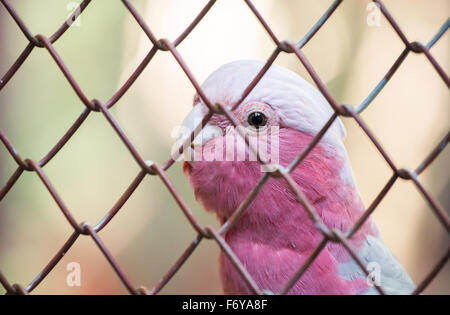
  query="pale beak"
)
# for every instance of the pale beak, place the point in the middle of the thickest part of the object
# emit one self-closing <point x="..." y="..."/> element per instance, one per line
<point x="192" y="120"/>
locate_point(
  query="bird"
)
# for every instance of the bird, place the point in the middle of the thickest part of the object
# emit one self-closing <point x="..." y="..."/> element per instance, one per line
<point x="275" y="236"/>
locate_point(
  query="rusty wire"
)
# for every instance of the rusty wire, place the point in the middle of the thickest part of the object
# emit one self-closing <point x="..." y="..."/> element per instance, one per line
<point x="94" y="105"/>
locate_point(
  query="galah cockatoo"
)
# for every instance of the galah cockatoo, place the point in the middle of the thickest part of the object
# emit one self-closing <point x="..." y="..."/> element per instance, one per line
<point x="275" y="235"/>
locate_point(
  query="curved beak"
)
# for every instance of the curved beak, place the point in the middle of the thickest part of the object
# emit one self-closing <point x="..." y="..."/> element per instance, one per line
<point x="190" y="123"/>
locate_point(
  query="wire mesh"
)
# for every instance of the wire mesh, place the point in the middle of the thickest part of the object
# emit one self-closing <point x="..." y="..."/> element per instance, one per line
<point x="152" y="169"/>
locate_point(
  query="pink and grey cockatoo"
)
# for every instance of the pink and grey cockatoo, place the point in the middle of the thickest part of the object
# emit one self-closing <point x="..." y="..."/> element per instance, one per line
<point x="275" y="236"/>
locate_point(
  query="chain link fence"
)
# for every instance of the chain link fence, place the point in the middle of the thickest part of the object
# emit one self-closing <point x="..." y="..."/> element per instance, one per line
<point x="152" y="169"/>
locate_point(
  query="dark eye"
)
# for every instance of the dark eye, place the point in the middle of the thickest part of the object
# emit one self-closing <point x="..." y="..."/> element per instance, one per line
<point x="257" y="120"/>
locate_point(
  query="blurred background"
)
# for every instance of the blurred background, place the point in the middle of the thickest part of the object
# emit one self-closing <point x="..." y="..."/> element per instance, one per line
<point x="409" y="117"/>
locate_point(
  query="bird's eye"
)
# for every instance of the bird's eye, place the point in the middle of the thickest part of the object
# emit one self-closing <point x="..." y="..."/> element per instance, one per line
<point x="257" y="120"/>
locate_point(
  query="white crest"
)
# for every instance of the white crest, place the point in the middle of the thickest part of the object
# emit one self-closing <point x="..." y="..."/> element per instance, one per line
<point x="299" y="104"/>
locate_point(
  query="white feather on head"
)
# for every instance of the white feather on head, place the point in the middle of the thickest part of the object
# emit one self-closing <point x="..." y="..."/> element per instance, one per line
<point x="299" y="104"/>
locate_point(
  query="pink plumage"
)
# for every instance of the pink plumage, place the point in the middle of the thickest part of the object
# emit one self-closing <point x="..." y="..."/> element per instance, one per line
<point x="275" y="236"/>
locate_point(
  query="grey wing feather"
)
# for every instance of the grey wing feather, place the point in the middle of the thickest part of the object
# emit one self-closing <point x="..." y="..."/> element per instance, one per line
<point x="379" y="260"/>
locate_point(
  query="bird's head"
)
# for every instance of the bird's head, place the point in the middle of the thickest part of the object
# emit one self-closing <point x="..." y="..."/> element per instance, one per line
<point x="281" y="115"/>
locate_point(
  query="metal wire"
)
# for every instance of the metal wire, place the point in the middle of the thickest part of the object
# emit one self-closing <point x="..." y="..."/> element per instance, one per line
<point x="164" y="45"/>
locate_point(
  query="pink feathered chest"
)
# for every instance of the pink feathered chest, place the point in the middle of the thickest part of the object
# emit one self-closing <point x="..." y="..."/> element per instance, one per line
<point x="275" y="236"/>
